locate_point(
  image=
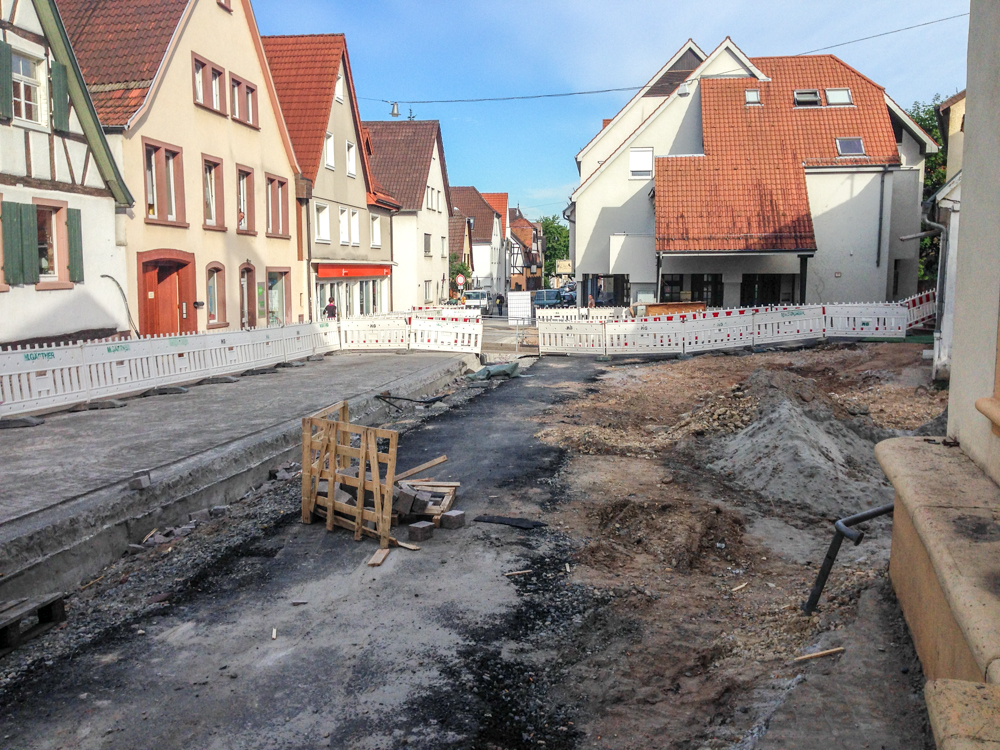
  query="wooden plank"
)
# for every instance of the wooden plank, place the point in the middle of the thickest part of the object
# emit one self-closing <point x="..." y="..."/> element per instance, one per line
<point x="405" y="545"/>
<point x="422" y="467"/>
<point x="27" y="607"/>
<point x="379" y="557"/>
<point x="430" y="483"/>
<point x="360" y="504"/>
<point x="308" y="500"/>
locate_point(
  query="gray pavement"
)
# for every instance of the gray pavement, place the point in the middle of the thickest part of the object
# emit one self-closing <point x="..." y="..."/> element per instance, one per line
<point x="76" y="453"/>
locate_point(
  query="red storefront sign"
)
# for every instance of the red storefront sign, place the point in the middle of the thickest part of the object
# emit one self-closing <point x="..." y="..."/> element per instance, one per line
<point x="355" y="270"/>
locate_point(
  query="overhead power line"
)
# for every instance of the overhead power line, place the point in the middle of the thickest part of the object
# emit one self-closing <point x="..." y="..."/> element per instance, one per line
<point x="636" y="88"/>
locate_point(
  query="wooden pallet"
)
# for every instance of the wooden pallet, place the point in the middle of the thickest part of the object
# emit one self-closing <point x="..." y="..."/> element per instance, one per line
<point x="448" y="489"/>
<point x="51" y="610"/>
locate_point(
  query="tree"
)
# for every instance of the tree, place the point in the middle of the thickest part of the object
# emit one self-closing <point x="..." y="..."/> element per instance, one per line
<point x="935" y="170"/>
<point x="556" y="243"/>
<point x="456" y="267"/>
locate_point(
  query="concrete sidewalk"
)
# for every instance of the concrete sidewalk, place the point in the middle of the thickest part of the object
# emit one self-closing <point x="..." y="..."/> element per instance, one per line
<point x="66" y="481"/>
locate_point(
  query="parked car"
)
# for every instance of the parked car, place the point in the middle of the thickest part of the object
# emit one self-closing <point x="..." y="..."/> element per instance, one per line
<point x="548" y="298"/>
<point x="568" y="296"/>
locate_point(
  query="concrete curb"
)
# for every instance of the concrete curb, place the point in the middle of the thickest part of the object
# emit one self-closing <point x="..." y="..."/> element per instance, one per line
<point x="54" y="549"/>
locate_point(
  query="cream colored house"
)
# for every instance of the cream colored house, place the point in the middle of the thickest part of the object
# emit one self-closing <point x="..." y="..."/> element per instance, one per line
<point x="346" y="214"/>
<point x="407" y="157"/>
<point x="747" y="181"/>
<point x="60" y="188"/>
<point x="189" y="107"/>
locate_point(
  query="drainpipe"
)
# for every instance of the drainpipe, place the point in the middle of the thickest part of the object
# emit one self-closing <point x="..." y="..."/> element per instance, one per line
<point x="881" y="210"/>
<point x="309" y="259"/>
<point x="942" y="269"/>
<point x="659" y="260"/>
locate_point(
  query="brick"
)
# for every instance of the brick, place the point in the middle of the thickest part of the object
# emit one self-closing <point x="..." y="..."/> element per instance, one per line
<point x="421" y="531"/>
<point x="404" y="501"/>
<point x="453" y="519"/>
<point x="420" y="502"/>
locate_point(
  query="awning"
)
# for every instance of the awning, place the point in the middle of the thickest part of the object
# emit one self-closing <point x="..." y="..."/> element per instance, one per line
<point x="352" y="270"/>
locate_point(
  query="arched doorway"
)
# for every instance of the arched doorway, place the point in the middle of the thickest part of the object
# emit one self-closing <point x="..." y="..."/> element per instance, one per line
<point x="248" y="296"/>
<point x="166" y="292"/>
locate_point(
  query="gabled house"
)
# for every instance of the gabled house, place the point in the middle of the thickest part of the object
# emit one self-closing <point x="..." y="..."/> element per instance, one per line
<point x="750" y="181"/>
<point x="347" y="214"/>
<point x="60" y="190"/>
<point x="487" y="235"/>
<point x="407" y="157"/>
<point x="501" y="275"/>
<point x="460" y="242"/>
<point x="527" y="255"/>
<point x="186" y="99"/>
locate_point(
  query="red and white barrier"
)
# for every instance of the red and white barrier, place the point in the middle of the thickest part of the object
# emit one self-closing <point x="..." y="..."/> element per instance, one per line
<point x="660" y="334"/>
<point x="920" y="308"/>
<point x="719" y="329"/>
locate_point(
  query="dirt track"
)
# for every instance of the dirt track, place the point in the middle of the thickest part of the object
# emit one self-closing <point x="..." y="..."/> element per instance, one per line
<point x="633" y="630"/>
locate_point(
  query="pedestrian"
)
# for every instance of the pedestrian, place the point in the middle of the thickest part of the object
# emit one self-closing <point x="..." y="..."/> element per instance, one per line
<point x="590" y="301"/>
<point x="500" y="301"/>
<point x="331" y="310"/>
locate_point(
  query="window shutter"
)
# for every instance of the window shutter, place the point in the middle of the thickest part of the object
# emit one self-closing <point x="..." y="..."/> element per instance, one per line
<point x="29" y="242"/>
<point x="74" y="230"/>
<point x="60" y="98"/>
<point x="640" y="160"/>
<point x="6" y="81"/>
<point x="13" y="260"/>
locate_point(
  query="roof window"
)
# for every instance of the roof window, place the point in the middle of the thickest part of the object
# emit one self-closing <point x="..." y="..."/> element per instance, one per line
<point x="807" y="98"/>
<point x="752" y="96"/>
<point x="838" y="97"/>
<point x="850" y="147"/>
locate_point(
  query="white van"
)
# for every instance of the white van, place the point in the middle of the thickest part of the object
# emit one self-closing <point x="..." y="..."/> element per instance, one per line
<point x="478" y="298"/>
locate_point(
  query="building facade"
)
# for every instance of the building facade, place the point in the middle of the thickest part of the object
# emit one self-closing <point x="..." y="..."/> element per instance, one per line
<point x="407" y="157"/>
<point x="344" y="215"/>
<point x="501" y="272"/>
<point x="487" y="238"/>
<point x="60" y="189"/>
<point x="739" y="181"/>
<point x="185" y="96"/>
<point x="527" y="253"/>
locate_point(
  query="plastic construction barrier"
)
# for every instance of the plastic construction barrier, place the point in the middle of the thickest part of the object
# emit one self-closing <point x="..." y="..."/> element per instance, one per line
<point x="719" y="329"/>
<point x="661" y="334"/>
<point x="571" y="338"/>
<point x="36" y="377"/>
<point x="519" y="308"/>
<point x="374" y="333"/>
<point x="561" y="314"/>
<point x="779" y="324"/>
<point x="447" y="334"/>
<point x="876" y="319"/>
<point x="920" y="308"/>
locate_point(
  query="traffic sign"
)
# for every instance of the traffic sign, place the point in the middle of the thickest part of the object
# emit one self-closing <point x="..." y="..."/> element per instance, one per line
<point x="460" y="280"/>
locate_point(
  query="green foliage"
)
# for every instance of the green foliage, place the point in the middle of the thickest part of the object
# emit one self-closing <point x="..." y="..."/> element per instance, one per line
<point x="456" y="267"/>
<point x="935" y="171"/>
<point x="556" y="243"/>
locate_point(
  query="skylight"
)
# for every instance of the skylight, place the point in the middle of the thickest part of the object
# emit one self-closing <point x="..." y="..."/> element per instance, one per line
<point x="807" y="98"/>
<point x="838" y="97"/>
<point x="850" y="147"/>
<point x="753" y="96"/>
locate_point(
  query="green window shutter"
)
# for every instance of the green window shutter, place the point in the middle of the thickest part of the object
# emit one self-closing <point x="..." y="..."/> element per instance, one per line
<point x="29" y="242"/>
<point x="75" y="231"/>
<point x="6" y="81"/>
<point x="60" y="98"/>
<point x="13" y="258"/>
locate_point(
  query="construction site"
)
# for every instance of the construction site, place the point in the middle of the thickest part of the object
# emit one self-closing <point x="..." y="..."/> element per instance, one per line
<point x="555" y="552"/>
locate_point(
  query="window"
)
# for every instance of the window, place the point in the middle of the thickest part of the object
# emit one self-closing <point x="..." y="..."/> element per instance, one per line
<point x="45" y="220"/>
<point x="345" y="227"/>
<point x="215" y="215"/>
<point x="277" y="206"/>
<point x="439" y="201"/>
<point x="42" y="244"/>
<point x="278" y="296"/>
<point x="752" y="96"/>
<point x="329" y="151"/>
<point x="243" y="101"/>
<point x="806" y="98"/>
<point x="670" y="287"/>
<point x="339" y="90"/>
<point x="164" y="183"/>
<point x="427" y="291"/>
<point x="226" y="4"/>
<point x="215" y="295"/>
<point x="209" y="80"/>
<point x="707" y="288"/>
<point x="444" y="247"/>
<point x="430" y="197"/>
<point x="28" y="94"/>
<point x="245" y="214"/>
<point x="355" y="227"/>
<point x="640" y="163"/>
<point x="850" y="147"/>
<point x="322" y="223"/>
<point x="351" y="164"/>
<point x="427" y="246"/>
<point x="838" y="97"/>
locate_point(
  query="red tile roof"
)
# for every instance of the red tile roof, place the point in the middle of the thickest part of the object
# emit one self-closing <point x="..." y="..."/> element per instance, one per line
<point x="499" y="203"/>
<point x="524" y="231"/>
<point x="401" y="159"/>
<point x="748" y="192"/>
<point x="119" y="45"/>
<point x="458" y="228"/>
<point x="470" y="202"/>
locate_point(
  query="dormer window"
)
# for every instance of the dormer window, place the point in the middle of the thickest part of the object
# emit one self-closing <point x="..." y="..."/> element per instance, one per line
<point x="752" y="96"/>
<point x="850" y="147"/>
<point x="807" y="98"/>
<point x="838" y="97"/>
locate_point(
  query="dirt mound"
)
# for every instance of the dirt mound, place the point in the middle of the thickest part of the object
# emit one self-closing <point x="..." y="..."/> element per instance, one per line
<point x="805" y="450"/>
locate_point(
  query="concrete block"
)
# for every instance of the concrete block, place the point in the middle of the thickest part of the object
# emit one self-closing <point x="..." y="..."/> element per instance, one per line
<point x="315" y="358"/>
<point x="203" y="515"/>
<point x="166" y="390"/>
<point x="13" y="423"/>
<point x="403" y="498"/>
<point x="421" y="531"/>
<point x="219" y="510"/>
<point x="420" y="502"/>
<point x="293" y="363"/>
<point x="108" y="403"/>
<point x="140" y="480"/>
<point x="260" y="371"/>
<point x="218" y="380"/>
<point x="963" y="714"/>
<point x="453" y="519"/>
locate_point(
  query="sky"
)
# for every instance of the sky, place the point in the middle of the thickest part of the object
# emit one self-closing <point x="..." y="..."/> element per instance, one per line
<point x="408" y="50"/>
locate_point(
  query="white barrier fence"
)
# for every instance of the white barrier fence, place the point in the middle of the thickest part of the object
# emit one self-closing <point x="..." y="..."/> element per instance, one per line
<point x="35" y="378"/>
<point x="565" y="333"/>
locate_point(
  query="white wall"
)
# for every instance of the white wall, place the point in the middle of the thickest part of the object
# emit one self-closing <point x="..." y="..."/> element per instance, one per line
<point x="482" y="258"/>
<point x="95" y="303"/>
<point x="977" y="288"/>
<point x="907" y="191"/>
<point x="845" y="211"/>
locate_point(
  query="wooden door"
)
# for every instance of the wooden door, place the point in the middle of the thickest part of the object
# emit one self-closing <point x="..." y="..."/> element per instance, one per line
<point x="167" y="315"/>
